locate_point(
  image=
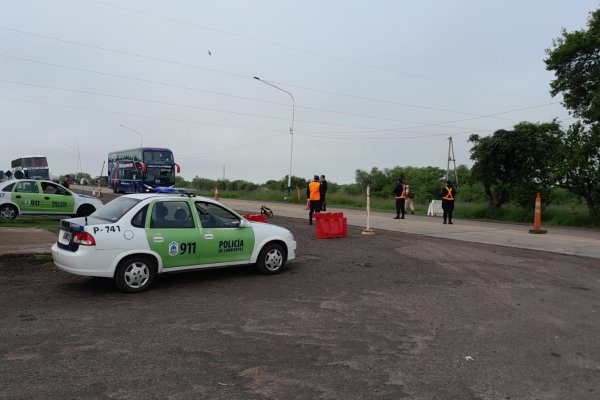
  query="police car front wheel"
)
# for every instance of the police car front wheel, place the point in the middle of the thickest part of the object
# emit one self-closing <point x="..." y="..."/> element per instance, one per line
<point x="8" y="211"/>
<point x="135" y="274"/>
<point x="271" y="259"/>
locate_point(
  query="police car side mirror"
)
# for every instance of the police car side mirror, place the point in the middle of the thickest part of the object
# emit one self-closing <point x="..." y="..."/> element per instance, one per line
<point x="245" y="224"/>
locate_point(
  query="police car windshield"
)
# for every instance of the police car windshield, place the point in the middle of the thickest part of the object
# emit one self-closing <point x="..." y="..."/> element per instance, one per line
<point x="114" y="210"/>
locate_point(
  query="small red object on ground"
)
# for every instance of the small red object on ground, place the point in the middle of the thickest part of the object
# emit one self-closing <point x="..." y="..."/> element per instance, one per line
<point x="256" y="217"/>
<point x="331" y="225"/>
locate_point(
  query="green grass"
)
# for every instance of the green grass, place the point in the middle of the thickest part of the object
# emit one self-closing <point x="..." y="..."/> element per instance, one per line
<point x="559" y="215"/>
<point x="51" y="223"/>
<point x="575" y="215"/>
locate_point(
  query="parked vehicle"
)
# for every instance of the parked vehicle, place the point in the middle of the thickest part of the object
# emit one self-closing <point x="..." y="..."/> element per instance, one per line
<point x="32" y="196"/>
<point x="135" y="237"/>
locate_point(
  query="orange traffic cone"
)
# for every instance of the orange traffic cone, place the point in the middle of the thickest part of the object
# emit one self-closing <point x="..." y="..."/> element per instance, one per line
<point x="216" y="194"/>
<point x="537" y="217"/>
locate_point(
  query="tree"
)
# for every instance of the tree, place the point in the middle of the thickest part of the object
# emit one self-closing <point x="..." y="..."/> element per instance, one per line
<point x="470" y="190"/>
<point x="580" y="171"/>
<point x="180" y="181"/>
<point x="575" y="60"/>
<point x="425" y="181"/>
<point x="516" y="164"/>
<point x="377" y="179"/>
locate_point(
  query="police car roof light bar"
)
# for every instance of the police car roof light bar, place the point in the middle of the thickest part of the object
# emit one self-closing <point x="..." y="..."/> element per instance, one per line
<point x="163" y="189"/>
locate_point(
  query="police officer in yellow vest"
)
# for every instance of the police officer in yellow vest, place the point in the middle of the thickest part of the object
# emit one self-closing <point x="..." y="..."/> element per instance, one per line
<point x="400" y="194"/>
<point x="448" y="196"/>
<point x="313" y="192"/>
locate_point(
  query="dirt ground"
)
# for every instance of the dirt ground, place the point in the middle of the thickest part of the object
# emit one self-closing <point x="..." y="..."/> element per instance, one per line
<point x="385" y="317"/>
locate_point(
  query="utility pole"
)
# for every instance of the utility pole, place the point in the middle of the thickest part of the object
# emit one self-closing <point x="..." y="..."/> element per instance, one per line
<point x="289" y="196"/>
<point x="223" y="172"/>
<point x="451" y="158"/>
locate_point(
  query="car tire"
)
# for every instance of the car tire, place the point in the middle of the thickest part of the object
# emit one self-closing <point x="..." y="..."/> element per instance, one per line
<point x="8" y="211"/>
<point x="85" y="210"/>
<point x="271" y="259"/>
<point x="135" y="274"/>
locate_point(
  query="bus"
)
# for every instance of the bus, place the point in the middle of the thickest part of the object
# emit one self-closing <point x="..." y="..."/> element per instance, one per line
<point x="31" y="167"/>
<point x="141" y="169"/>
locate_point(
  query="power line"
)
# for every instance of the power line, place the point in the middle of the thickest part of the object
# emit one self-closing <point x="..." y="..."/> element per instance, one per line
<point x="138" y="99"/>
<point x="234" y="148"/>
<point x="372" y="99"/>
<point x="110" y="74"/>
<point x="178" y="104"/>
<point x="255" y="115"/>
<point x="223" y="150"/>
<point x="308" y="134"/>
<point x="194" y="66"/>
<point x="208" y="154"/>
<point x="91" y="46"/>
<point x="135" y="115"/>
<point x="295" y="49"/>
<point x="419" y="136"/>
<point x="443" y="124"/>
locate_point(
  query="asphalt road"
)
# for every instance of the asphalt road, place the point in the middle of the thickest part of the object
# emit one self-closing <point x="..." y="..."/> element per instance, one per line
<point x="390" y="316"/>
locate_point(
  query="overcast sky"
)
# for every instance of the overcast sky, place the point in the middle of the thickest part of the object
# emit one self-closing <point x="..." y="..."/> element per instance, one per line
<point x="376" y="83"/>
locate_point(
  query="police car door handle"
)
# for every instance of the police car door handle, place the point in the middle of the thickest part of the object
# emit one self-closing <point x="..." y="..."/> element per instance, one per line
<point x="18" y="196"/>
<point x="46" y="198"/>
<point x="158" y="239"/>
<point x="209" y="236"/>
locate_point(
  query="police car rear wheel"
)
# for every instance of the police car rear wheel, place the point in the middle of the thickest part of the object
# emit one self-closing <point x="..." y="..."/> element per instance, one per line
<point x="135" y="274"/>
<point x="271" y="259"/>
<point x="8" y="211"/>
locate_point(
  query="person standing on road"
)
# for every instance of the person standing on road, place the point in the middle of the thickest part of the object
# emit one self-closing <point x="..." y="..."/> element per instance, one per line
<point x="67" y="181"/>
<point x="313" y="192"/>
<point x="400" y="195"/>
<point x="323" y="193"/>
<point x="410" y="200"/>
<point x="448" y="196"/>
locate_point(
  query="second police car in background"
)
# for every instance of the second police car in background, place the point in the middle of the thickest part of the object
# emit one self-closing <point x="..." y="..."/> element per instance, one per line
<point x="31" y="196"/>
<point x="137" y="236"/>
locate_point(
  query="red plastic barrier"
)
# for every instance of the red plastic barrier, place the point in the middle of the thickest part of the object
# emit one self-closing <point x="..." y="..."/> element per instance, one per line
<point x="256" y="217"/>
<point x="331" y="225"/>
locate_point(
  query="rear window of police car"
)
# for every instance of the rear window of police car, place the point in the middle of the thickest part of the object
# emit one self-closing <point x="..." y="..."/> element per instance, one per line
<point x="114" y="210"/>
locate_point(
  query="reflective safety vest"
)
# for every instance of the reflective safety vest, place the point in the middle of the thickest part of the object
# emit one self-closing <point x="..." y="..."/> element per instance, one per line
<point x="403" y="194"/>
<point x="449" y="194"/>
<point x="314" y="188"/>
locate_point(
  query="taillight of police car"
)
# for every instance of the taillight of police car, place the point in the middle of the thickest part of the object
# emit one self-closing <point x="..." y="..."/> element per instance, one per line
<point x="84" y="238"/>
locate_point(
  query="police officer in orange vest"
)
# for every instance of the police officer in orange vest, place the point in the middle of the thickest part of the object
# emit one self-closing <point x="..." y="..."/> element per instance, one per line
<point x="313" y="192"/>
<point x="448" y="196"/>
<point x="400" y="194"/>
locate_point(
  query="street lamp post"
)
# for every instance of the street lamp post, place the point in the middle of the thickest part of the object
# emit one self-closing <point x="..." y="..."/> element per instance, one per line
<point x="134" y="131"/>
<point x="291" y="132"/>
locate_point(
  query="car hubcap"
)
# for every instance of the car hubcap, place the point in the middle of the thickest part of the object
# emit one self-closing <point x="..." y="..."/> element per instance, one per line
<point x="7" y="213"/>
<point x="273" y="260"/>
<point x="137" y="274"/>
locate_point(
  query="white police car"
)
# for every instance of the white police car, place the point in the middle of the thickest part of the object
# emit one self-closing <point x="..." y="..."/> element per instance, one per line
<point x="134" y="237"/>
<point x="30" y="196"/>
